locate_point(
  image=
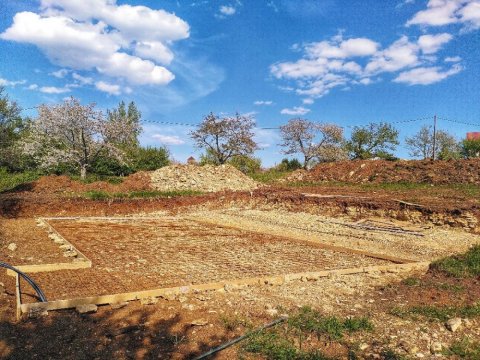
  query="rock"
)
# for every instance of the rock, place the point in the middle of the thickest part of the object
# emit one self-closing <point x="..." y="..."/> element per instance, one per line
<point x="119" y="305"/>
<point x="86" y="309"/>
<point x="363" y="346"/>
<point x="12" y="247"/>
<point x="149" y="300"/>
<point x="71" y="253"/>
<point x="199" y="322"/>
<point x="272" y="312"/>
<point x="2" y="288"/>
<point x="453" y="324"/>
<point x="436" y="347"/>
<point x="142" y="261"/>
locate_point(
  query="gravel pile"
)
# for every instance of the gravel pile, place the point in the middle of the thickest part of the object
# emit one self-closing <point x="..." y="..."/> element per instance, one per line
<point x="206" y="178"/>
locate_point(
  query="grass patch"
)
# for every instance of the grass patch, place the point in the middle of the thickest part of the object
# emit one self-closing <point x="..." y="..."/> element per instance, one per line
<point x="9" y="181"/>
<point x="273" y="345"/>
<point x="286" y="342"/>
<point x="309" y="320"/>
<point x="442" y="313"/>
<point x="144" y="194"/>
<point x="411" y="281"/>
<point x="389" y="354"/>
<point x="460" y="266"/>
<point x="464" y="349"/>
<point x="230" y="323"/>
<point x="269" y="176"/>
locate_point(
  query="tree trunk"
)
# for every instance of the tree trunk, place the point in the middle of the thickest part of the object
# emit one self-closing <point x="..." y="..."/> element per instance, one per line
<point x="83" y="172"/>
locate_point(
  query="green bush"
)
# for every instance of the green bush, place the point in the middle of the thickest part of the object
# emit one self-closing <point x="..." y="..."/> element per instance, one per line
<point x="289" y="165"/>
<point x="9" y="181"/>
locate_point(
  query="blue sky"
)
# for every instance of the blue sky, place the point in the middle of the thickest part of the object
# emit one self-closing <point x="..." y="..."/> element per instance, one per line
<point x="343" y="61"/>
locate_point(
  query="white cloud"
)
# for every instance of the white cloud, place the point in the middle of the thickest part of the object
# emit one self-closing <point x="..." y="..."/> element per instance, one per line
<point x="32" y="87"/>
<point x="445" y="12"/>
<point x="453" y="59"/>
<point x="296" y="110"/>
<point x="426" y="75"/>
<point x="82" y="80"/>
<point x="308" y="101"/>
<point x="168" y="139"/>
<point x="5" y="82"/>
<point x="54" y="90"/>
<point x="263" y="102"/>
<point x="227" y="10"/>
<point x="111" y="89"/>
<point x="342" y="63"/>
<point x="342" y="48"/>
<point x="96" y="35"/>
<point x="60" y="73"/>
<point x="430" y="44"/>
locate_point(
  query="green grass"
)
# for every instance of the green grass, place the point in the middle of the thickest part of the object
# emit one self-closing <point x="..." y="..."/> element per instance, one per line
<point x="442" y="313"/>
<point x="464" y="349"/>
<point x="411" y="281"/>
<point x="389" y="354"/>
<point x="269" y="176"/>
<point x="144" y="194"/>
<point x="460" y="266"/>
<point x="309" y="320"/>
<point x="279" y="343"/>
<point x="230" y="323"/>
<point x="9" y="181"/>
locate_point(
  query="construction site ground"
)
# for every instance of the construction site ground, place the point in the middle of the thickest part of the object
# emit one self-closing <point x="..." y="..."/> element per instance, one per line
<point x="143" y="244"/>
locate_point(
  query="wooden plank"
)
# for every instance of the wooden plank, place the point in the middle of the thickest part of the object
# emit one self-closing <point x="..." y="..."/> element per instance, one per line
<point x="51" y="267"/>
<point x="273" y="280"/>
<point x="18" y="297"/>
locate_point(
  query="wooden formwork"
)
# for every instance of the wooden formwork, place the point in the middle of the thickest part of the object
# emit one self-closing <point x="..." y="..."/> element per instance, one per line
<point x="401" y="265"/>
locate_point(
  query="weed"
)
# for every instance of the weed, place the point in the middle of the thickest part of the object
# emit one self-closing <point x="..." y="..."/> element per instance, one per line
<point x="269" y="176"/>
<point x="464" y="349"/>
<point x="230" y="323"/>
<point x="389" y="354"/>
<point x="461" y="266"/>
<point x="451" y="287"/>
<point x="442" y="313"/>
<point x="143" y="194"/>
<point x="309" y="320"/>
<point x="274" y="346"/>
<point x="411" y="281"/>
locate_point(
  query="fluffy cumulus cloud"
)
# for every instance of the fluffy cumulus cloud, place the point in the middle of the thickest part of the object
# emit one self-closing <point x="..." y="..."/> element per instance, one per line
<point x="5" y="82"/>
<point x="341" y="62"/>
<point x="445" y="12"/>
<point x="111" y="89"/>
<point x="126" y="44"/>
<point x="296" y="110"/>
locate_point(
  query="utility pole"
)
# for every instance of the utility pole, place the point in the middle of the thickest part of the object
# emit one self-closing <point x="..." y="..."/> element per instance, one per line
<point x="434" y="136"/>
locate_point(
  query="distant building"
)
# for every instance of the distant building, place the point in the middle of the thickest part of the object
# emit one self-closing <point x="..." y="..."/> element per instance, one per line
<point x="473" y="135"/>
<point x="191" y="161"/>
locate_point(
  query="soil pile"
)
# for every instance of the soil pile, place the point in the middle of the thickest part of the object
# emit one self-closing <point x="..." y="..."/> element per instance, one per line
<point x="382" y="171"/>
<point x="206" y="178"/>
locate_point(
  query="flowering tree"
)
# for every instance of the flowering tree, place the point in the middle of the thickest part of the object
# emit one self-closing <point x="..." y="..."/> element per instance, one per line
<point x="224" y="138"/>
<point x="312" y="140"/>
<point x="75" y="134"/>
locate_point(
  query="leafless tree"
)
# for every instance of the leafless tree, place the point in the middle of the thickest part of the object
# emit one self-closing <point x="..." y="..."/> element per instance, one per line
<point x="72" y="133"/>
<point x="312" y="140"/>
<point x="224" y="138"/>
<point x="421" y="144"/>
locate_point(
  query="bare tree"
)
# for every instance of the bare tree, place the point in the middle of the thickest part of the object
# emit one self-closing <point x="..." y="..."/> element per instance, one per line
<point x="224" y="138"/>
<point x="421" y="144"/>
<point x="72" y="133"/>
<point x="312" y="140"/>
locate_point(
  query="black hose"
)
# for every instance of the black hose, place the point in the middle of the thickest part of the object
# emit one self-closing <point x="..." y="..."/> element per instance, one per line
<point x="240" y="338"/>
<point x="32" y="283"/>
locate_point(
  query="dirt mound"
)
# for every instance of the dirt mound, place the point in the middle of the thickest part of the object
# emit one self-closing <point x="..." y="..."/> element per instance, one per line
<point x="381" y="171"/>
<point x="62" y="184"/>
<point x="206" y="178"/>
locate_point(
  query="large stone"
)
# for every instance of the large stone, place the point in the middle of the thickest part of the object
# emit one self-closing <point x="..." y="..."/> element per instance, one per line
<point x="453" y="324"/>
<point x="12" y="246"/>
